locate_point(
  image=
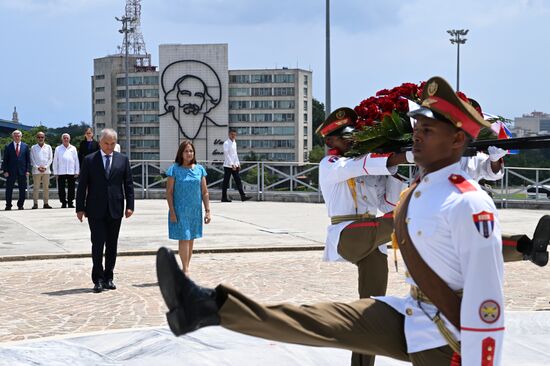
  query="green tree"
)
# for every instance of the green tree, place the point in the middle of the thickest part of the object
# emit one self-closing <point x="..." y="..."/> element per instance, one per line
<point x="317" y="119"/>
<point x="251" y="157"/>
<point x="316" y="154"/>
<point x="53" y="135"/>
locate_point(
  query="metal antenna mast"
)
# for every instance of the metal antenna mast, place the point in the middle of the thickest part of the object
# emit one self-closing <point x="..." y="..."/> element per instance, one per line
<point x="134" y="45"/>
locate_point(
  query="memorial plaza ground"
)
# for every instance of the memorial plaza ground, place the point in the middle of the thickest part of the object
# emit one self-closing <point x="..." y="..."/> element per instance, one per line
<point x="269" y="250"/>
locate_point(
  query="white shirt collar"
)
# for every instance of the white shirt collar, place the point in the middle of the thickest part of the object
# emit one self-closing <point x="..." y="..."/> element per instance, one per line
<point x="442" y="174"/>
<point x="103" y="155"/>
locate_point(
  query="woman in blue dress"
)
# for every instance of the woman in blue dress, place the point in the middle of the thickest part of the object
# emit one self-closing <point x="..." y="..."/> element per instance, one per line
<point x="185" y="189"/>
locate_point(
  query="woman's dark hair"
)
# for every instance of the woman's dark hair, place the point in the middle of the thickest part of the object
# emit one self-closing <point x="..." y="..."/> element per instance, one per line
<point x="179" y="154"/>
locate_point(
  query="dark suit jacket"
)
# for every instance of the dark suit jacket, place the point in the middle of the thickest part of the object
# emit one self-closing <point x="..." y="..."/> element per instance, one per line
<point x="17" y="165"/>
<point x="84" y="151"/>
<point x="98" y="196"/>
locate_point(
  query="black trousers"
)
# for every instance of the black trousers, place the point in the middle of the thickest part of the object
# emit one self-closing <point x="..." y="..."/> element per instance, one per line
<point x="104" y="234"/>
<point x="21" y="183"/>
<point x="62" y="181"/>
<point x="227" y="173"/>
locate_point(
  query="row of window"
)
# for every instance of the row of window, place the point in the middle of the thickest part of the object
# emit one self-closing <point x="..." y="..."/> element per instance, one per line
<point x="138" y="118"/>
<point x="100" y="89"/>
<point x="261" y="92"/>
<point x="137" y="131"/>
<point x="262" y="117"/>
<point x="261" y="104"/>
<point x="265" y="144"/>
<point x="265" y="131"/>
<point x="139" y="106"/>
<point x="138" y="93"/>
<point x="137" y="155"/>
<point x="271" y="156"/>
<point x="262" y="78"/>
<point x="138" y="80"/>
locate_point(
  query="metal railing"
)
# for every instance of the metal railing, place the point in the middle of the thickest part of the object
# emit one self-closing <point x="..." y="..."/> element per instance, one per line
<point x="265" y="179"/>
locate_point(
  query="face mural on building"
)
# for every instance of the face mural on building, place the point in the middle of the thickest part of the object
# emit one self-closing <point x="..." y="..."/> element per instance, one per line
<point x="191" y="90"/>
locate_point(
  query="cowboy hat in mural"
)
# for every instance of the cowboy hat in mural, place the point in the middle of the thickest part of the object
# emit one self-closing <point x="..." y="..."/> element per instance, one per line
<point x="191" y="90"/>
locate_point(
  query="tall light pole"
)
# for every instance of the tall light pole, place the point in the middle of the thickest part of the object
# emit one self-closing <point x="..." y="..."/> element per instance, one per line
<point x="456" y="38"/>
<point x="125" y="30"/>
<point x="327" y="61"/>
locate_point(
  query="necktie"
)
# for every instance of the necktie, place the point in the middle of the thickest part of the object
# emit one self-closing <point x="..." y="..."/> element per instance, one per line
<point x="17" y="149"/>
<point x="107" y="166"/>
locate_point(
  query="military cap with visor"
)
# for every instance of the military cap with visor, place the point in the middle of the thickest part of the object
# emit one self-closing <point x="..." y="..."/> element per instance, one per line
<point x="439" y="101"/>
<point x="339" y="122"/>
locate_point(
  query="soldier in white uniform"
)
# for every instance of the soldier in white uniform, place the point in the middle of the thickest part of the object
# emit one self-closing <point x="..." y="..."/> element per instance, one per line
<point x="354" y="190"/>
<point x="445" y="225"/>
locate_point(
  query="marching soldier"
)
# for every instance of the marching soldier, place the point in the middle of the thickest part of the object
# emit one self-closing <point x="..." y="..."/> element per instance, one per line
<point x="354" y="189"/>
<point x="449" y="235"/>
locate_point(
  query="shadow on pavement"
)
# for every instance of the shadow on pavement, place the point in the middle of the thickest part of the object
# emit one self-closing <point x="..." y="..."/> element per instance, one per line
<point x="73" y="291"/>
<point x="153" y="284"/>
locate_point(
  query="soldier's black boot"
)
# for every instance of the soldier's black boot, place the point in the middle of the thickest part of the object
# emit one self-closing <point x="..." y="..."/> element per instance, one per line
<point x="190" y="306"/>
<point x="541" y="239"/>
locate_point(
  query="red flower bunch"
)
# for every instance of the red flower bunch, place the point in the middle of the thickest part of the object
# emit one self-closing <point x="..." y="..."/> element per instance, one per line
<point x="372" y="110"/>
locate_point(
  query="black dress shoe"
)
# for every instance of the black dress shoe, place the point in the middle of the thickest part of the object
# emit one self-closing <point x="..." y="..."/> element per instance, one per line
<point x="98" y="287"/>
<point x="71" y="205"/>
<point x="541" y="239"/>
<point x="109" y="285"/>
<point x="226" y="200"/>
<point x="47" y="206"/>
<point x="190" y="306"/>
<point x="20" y="207"/>
<point x="8" y="208"/>
<point x="34" y="207"/>
<point x="63" y="205"/>
<point x="245" y="198"/>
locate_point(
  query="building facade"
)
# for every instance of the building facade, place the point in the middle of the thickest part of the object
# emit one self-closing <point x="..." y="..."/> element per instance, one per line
<point x="534" y="123"/>
<point x="271" y="110"/>
<point x="109" y="103"/>
<point x="194" y="96"/>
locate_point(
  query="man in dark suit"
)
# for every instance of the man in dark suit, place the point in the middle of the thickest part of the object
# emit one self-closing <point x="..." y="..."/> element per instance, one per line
<point x="105" y="181"/>
<point x="16" y="167"/>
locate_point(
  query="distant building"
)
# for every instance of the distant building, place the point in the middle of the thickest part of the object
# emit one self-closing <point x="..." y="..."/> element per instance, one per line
<point x="534" y="123"/>
<point x="194" y="96"/>
<point x="109" y="103"/>
<point x="8" y="126"/>
<point x="271" y="110"/>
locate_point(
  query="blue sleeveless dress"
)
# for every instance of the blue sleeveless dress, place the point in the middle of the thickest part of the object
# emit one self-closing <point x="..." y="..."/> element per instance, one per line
<point x="187" y="202"/>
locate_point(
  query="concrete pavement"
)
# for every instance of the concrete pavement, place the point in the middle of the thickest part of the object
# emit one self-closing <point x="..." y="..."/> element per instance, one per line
<point x="235" y="225"/>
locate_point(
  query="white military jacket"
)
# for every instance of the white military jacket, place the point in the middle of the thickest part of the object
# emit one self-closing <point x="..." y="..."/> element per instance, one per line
<point x="376" y="190"/>
<point x="456" y="230"/>
<point x="479" y="167"/>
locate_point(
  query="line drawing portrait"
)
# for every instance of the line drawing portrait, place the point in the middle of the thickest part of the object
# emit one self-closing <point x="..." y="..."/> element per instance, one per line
<point x="191" y="90"/>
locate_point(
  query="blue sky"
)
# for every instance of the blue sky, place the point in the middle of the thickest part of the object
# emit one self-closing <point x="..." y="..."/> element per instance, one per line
<point x="47" y="47"/>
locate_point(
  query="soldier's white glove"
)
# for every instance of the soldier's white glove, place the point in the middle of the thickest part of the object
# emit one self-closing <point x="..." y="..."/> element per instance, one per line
<point x="410" y="157"/>
<point x="496" y="153"/>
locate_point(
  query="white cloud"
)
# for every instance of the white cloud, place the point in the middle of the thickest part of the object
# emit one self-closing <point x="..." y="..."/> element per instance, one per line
<point x="52" y="7"/>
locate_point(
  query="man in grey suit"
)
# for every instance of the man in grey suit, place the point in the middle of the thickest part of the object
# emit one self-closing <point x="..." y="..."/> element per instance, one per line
<point x="105" y="183"/>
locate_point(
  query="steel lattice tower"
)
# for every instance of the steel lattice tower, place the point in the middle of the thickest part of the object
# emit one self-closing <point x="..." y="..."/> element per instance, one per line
<point x="135" y="41"/>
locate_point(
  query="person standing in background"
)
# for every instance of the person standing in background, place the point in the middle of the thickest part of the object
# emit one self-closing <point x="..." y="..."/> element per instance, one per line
<point x="41" y="159"/>
<point x="66" y="167"/>
<point x="185" y="189"/>
<point x="231" y="167"/>
<point x="88" y="145"/>
<point x="16" y="166"/>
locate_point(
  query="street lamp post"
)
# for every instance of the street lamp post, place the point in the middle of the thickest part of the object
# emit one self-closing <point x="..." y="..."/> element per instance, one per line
<point x="456" y="35"/>
<point x="125" y="30"/>
<point x="327" y="61"/>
